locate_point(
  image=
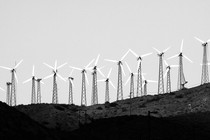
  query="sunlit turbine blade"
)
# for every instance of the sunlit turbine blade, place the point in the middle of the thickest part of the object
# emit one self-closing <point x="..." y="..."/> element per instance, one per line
<point x="102" y="80"/>
<point x="156" y="50"/>
<point x="61" y="65"/>
<point x="143" y="77"/>
<point x="89" y="64"/>
<point x="55" y="67"/>
<point x="136" y="55"/>
<point x="75" y="68"/>
<point x="2" y="89"/>
<point x="208" y="41"/>
<point x="16" y="77"/>
<point x="166" y="73"/>
<point x="48" y="65"/>
<point x="144" y="55"/>
<point x="61" y="77"/>
<point x="166" y="49"/>
<point x="123" y="70"/>
<point x="181" y="48"/>
<point x="174" y="66"/>
<point x="173" y="56"/>
<point x="71" y="72"/>
<point x="124" y="55"/>
<point x="151" y="81"/>
<point x="86" y="78"/>
<point x="33" y="71"/>
<point x="5" y="68"/>
<point x="199" y="40"/>
<point x="72" y="82"/>
<point x="115" y="61"/>
<point x="128" y="67"/>
<point x="99" y="70"/>
<point x="112" y="84"/>
<point x="96" y="62"/>
<point x="27" y="80"/>
<point x="166" y="63"/>
<point x="109" y="72"/>
<point x="188" y="58"/>
<point x="138" y="64"/>
<point x="48" y="76"/>
<point x="41" y="82"/>
<point x="18" y="64"/>
<point x="127" y="80"/>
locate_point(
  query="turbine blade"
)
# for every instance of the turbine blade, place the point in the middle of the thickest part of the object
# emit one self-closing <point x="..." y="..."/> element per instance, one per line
<point x="208" y="41"/>
<point x="135" y="54"/>
<point x="173" y="56"/>
<point x="61" y="77"/>
<point x="72" y="82"/>
<point x="188" y="58"/>
<point x="75" y="68"/>
<point x="99" y="70"/>
<point x="166" y="49"/>
<point x="48" y="65"/>
<point x="151" y="81"/>
<point x="166" y="63"/>
<point x="27" y="81"/>
<point x="144" y="55"/>
<point x="127" y="80"/>
<point x="109" y="72"/>
<point x="18" y="64"/>
<point x="16" y="77"/>
<point x="124" y="55"/>
<point x="41" y="82"/>
<point x="112" y="84"/>
<point x="89" y="64"/>
<point x="86" y="78"/>
<point x="115" y="61"/>
<point x="174" y="66"/>
<point x="55" y="67"/>
<point x="2" y="89"/>
<point x="143" y="77"/>
<point x="102" y="80"/>
<point x="128" y="67"/>
<point x="61" y="65"/>
<point x="48" y="76"/>
<point x="5" y="68"/>
<point x="181" y="48"/>
<point x="199" y="40"/>
<point x="33" y="71"/>
<point x="96" y="62"/>
<point x="71" y="72"/>
<point x="123" y="70"/>
<point x="156" y="50"/>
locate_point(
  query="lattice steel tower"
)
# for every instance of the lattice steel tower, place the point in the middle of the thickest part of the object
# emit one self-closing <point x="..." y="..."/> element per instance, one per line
<point x="33" y="92"/>
<point x="8" y="93"/>
<point x="160" y="76"/>
<point x="181" y="77"/>
<point x="145" y="87"/>
<point x="83" y="94"/>
<point x="119" y="83"/>
<point x="107" y="91"/>
<point x="94" y="99"/>
<point x="38" y="91"/>
<point x="55" y="90"/>
<point x="132" y="86"/>
<point x="13" y="89"/>
<point x="205" y="73"/>
<point x="168" y="82"/>
<point x="71" y="90"/>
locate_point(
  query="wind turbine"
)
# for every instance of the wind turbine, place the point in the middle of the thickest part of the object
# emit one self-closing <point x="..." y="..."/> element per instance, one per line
<point x="8" y="93"/>
<point x="145" y="84"/>
<point x="84" y="78"/>
<point x="139" y="68"/>
<point x="205" y="73"/>
<point x="94" y="99"/>
<point x="13" y="81"/>
<point x="168" y="73"/>
<point x="54" y="75"/>
<point x="39" y="81"/>
<point x="120" y="71"/>
<point x="160" y="76"/>
<point x="71" y="85"/>
<point x="107" y="81"/>
<point x="33" y="92"/>
<point x="181" y="78"/>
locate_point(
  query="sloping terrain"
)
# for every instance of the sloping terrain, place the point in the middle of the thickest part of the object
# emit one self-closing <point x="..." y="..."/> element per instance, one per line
<point x="67" y="118"/>
<point x="16" y="125"/>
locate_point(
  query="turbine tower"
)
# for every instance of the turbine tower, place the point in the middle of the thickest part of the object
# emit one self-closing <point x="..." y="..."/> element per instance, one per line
<point x="33" y="92"/>
<point x="84" y="80"/>
<point x="145" y="85"/>
<point x="54" y="75"/>
<point x="205" y="73"/>
<point x="181" y="77"/>
<point x="168" y="74"/>
<point x="107" y="81"/>
<point x="131" y="79"/>
<point x="39" y="81"/>
<point x="120" y="71"/>
<point x="13" y="83"/>
<point x="8" y="93"/>
<point x="139" y="91"/>
<point x="94" y="98"/>
<point x="160" y="75"/>
<point x="71" y="85"/>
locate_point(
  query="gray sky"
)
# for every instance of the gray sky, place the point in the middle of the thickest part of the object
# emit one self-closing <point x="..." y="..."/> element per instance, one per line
<point x="75" y="31"/>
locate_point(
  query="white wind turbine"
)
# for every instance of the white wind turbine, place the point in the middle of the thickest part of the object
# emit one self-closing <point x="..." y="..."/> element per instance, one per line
<point x="14" y="79"/>
<point x="181" y="77"/>
<point x="54" y="75"/>
<point x="71" y="85"/>
<point x="139" y="91"/>
<point x="84" y="80"/>
<point x="107" y="81"/>
<point x="120" y="71"/>
<point x="144" y="85"/>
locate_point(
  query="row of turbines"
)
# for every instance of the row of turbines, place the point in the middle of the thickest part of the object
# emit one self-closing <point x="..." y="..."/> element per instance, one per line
<point x="141" y="81"/>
